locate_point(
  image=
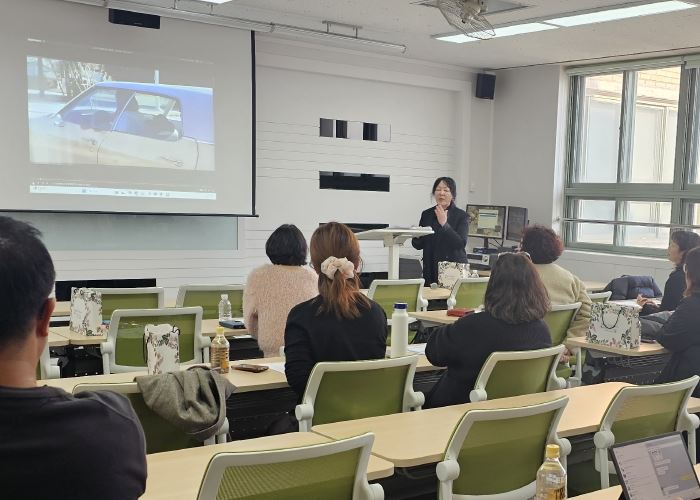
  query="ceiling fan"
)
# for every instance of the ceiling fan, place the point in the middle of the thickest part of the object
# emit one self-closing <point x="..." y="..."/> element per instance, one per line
<point x="468" y="16"/>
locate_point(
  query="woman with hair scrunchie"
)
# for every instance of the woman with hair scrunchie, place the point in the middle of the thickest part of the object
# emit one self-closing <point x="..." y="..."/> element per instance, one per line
<point x="341" y="324"/>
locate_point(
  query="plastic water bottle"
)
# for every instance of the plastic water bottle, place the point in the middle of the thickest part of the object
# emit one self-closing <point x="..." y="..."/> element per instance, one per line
<point x="225" y="308"/>
<point x="551" y="476"/>
<point x="218" y="352"/>
<point x="399" y="330"/>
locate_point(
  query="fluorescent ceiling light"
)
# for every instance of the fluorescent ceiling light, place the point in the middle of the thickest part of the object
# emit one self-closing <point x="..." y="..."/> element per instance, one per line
<point x="516" y="29"/>
<point x="212" y="1"/>
<point x="621" y="13"/>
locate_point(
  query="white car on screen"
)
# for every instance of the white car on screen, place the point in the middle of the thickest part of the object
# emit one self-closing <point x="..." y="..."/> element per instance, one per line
<point x="129" y="124"/>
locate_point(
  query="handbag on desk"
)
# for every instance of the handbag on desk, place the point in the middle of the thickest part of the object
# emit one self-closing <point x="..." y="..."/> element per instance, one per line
<point x="450" y="272"/>
<point x="162" y="348"/>
<point x="614" y="325"/>
<point x="85" y="311"/>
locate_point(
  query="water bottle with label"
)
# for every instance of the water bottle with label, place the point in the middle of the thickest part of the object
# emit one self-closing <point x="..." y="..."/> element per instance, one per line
<point x="399" y="330"/>
<point x="219" y="351"/>
<point x="551" y="476"/>
<point x="225" y="308"/>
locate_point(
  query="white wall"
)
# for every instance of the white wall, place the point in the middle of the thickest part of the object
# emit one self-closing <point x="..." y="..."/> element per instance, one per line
<point x="427" y="105"/>
<point x="528" y="164"/>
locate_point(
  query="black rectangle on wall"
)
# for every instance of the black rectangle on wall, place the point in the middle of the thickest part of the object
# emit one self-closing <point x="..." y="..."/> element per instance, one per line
<point x="369" y="131"/>
<point x="353" y="182"/>
<point x="326" y="126"/>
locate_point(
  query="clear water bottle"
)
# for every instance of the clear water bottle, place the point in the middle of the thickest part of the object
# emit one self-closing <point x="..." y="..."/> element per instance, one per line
<point x="219" y="350"/>
<point x="399" y="330"/>
<point x="225" y="308"/>
<point x="551" y="476"/>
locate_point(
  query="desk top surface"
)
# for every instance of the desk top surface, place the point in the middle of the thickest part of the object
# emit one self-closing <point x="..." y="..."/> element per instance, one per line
<point x="176" y="475"/>
<point x="244" y="381"/>
<point x="583" y="413"/>
<point x="644" y="348"/>
<point x="208" y="329"/>
<point x="56" y="340"/>
<point x="440" y="317"/>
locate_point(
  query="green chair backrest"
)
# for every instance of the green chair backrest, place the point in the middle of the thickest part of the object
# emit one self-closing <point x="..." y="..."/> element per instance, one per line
<point x="646" y="416"/>
<point x="331" y="476"/>
<point x="209" y="301"/>
<point x="387" y="295"/>
<point x="130" y="348"/>
<point x="517" y="377"/>
<point x="111" y="302"/>
<point x="350" y="395"/>
<point x="160" y="434"/>
<point x="558" y="323"/>
<point x="502" y="455"/>
<point x="471" y="294"/>
<point x="601" y="298"/>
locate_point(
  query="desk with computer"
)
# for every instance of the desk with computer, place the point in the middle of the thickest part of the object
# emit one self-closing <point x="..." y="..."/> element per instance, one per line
<point x="495" y="224"/>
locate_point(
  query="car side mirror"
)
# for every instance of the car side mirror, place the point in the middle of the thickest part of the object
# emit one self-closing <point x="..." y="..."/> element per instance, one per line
<point x="58" y="121"/>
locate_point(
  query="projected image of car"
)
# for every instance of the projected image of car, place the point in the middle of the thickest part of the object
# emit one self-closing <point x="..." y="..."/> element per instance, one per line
<point x="129" y="124"/>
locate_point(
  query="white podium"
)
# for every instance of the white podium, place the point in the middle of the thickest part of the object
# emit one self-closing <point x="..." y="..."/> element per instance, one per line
<point x="393" y="238"/>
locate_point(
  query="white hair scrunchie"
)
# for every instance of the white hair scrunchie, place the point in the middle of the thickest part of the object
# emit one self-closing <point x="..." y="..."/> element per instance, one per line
<point x="332" y="264"/>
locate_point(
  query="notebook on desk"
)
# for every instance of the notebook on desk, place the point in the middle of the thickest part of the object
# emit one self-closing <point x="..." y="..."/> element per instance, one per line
<point x="656" y="468"/>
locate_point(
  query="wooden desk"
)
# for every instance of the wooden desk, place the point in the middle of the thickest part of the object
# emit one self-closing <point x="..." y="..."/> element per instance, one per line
<point x="582" y="415"/>
<point x="644" y="348"/>
<point x="56" y="340"/>
<point x="208" y="329"/>
<point x="176" y="475"/>
<point x="244" y="381"/>
<point x="433" y="318"/>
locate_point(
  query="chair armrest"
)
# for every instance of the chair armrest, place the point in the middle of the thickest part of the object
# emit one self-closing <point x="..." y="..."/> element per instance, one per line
<point x="305" y="414"/>
<point x="447" y="470"/>
<point x="424" y="304"/>
<point x="556" y="383"/>
<point x="451" y="303"/>
<point x="414" y="400"/>
<point x="204" y="341"/>
<point x="107" y="347"/>
<point x="375" y="492"/>
<point x="53" y="371"/>
<point x="478" y="395"/>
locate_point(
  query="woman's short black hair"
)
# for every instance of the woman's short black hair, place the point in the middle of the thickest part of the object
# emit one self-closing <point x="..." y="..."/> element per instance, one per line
<point x="286" y="246"/>
<point x="686" y="241"/>
<point x="450" y="184"/>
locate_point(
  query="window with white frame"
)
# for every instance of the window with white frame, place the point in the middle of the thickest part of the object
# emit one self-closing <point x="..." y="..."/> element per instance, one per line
<point x="633" y="155"/>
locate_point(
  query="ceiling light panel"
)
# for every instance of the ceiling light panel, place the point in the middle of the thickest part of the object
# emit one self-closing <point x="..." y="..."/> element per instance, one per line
<point x="516" y="29"/>
<point x="621" y="13"/>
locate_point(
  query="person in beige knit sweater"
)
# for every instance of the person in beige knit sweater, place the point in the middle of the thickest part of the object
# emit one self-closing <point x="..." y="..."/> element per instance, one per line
<point x="272" y="290"/>
<point x="545" y="247"/>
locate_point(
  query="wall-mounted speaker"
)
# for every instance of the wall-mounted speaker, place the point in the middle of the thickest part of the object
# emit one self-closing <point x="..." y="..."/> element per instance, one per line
<point x="485" y="86"/>
<point x="128" y="18"/>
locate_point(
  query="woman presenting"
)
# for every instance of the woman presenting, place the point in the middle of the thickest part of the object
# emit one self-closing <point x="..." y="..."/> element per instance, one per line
<point x="449" y="224"/>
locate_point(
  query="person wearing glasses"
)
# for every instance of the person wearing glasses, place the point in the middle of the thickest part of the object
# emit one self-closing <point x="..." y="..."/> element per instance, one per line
<point x="449" y="224"/>
<point x="545" y="247"/>
<point x="515" y="303"/>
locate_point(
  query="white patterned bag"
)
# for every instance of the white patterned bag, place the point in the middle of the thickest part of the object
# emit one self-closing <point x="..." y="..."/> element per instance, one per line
<point x="85" y="311"/>
<point x="450" y="272"/>
<point x="162" y="348"/>
<point x="614" y="325"/>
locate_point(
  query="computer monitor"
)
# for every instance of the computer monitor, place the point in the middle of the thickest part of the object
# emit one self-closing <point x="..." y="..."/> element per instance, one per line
<point x="656" y="468"/>
<point x="516" y="223"/>
<point x="486" y="221"/>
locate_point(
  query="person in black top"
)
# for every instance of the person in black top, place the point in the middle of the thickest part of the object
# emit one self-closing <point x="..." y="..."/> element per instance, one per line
<point x="681" y="243"/>
<point x="681" y="333"/>
<point x="53" y="444"/>
<point x="515" y="303"/>
<point x="450" y="226"/>
<point x="341" y="324"/>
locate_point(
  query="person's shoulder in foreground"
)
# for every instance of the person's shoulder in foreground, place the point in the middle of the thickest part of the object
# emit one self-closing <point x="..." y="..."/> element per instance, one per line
<point x="52" y="443"/>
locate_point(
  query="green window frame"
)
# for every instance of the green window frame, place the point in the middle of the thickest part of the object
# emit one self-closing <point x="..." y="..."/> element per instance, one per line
<point x="680" y="195"/>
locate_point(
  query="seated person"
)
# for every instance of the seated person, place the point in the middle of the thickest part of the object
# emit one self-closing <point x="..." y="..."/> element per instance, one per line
<point x="272" y="290"/>
<point x="545" y="247"/>
<point x="341" y="324"/>
<point x="54" y="444"/>
<point x="515" y="303"/>
<point x="681" y="243"/>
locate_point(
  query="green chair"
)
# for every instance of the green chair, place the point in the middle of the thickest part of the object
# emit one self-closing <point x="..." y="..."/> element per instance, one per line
<point x="513" y="373"/>
<point x="468" y="292"/>
<point x="131" y="298"/>
<point x="602" y="297"/>
<point x="208" y="298"/>
<point x="558" y="320"/>
<point x="387" y="292"/>
<point x="642" y="412"/>
<point x="495" y="454"/>
<point x="348" y="390"/>
<point x="160" y="434"/>
<point x="125" y="351"/>
<point x="332" y="470"/>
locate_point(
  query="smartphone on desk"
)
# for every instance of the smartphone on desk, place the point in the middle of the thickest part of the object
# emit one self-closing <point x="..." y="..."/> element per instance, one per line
<point x="251" y="368"/>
